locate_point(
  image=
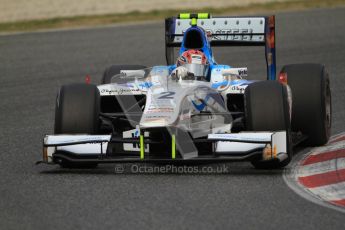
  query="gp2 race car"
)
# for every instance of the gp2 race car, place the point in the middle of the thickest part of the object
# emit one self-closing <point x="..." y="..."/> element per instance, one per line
<point x="165" y="114"/>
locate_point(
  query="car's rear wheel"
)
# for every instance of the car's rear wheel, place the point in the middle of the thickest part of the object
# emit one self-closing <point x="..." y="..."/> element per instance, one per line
<point x="267" y="109"/>
<point x="311" y="101"/>
<point x="113" y="70"/>
<point x="77" y="112"/>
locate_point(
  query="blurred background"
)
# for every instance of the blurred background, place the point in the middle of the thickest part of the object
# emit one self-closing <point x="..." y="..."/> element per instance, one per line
<point x="17" y="10"/>
<point x="32" y="15"/>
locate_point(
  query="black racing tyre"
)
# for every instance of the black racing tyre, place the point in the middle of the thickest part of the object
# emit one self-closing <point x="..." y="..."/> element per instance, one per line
<point x="77" y="112"/>
<point x="267" y="109"/>
<point x="115" y="69"/>
<point x="77" y="109"/>
<point x="311" y="101"/>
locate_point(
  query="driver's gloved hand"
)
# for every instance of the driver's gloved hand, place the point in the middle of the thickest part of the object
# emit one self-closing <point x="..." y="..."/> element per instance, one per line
<point x="179" y="73"/>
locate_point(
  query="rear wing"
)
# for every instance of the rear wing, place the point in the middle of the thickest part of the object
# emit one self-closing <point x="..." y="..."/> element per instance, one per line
<point x="225" y="31"/>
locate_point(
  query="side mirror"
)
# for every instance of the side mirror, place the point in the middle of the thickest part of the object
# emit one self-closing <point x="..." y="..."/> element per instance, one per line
<point x="241" y="72"/>
<point x="132" y="74"/>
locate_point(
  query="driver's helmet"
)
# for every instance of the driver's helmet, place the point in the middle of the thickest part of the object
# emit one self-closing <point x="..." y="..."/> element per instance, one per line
<point x="195" y="62"/>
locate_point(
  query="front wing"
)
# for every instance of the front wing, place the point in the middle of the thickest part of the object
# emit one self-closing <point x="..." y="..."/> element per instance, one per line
<point x="265" y="146"/>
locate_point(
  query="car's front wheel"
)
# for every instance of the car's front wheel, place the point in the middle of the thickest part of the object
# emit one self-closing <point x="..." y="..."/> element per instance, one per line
<point x="77" y="112"/>
<point x="267" y="109"/>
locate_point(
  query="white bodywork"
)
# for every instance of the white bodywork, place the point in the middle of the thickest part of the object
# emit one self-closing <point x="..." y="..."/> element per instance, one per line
<point x="226" y="143"/>
<point x="179" y="104"/>
<point x="78" y="144"/>
<point x="170" y="102"/>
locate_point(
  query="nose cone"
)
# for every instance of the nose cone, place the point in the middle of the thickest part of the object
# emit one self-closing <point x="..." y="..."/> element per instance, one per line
<point x="161" y="108"/>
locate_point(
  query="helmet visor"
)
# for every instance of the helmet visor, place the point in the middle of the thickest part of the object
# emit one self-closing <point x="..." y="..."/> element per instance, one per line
<point x="198" y="70"/>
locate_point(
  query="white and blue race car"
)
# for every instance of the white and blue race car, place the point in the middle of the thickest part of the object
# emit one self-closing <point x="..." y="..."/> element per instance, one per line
<point x="165" y="114"/>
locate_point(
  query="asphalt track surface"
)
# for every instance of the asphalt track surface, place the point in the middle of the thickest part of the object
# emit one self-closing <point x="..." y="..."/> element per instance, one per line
<point x="33" y="66"/>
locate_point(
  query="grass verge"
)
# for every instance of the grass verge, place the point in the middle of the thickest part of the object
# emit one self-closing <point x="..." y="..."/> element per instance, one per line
<point x="135" y="16"/>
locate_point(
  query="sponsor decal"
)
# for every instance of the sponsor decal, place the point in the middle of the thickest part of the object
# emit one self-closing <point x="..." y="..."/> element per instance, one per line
<point x="146" y="85"/>
<point x="232" y="83"/>
<point x="157" y="116"/>
<point x="242" y="72"/>
<point x="157" y="103"/>
<point x="160" y="110"/>
<point x="134" y="133"/>
<point x="234" y="34"/>
<point x="239" y="89"/>
<point x="196" y="59"/>
<point x="119" y="91"/>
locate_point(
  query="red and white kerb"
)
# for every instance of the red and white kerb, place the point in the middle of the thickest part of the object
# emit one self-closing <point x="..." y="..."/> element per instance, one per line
<point x="322" y="173"/>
